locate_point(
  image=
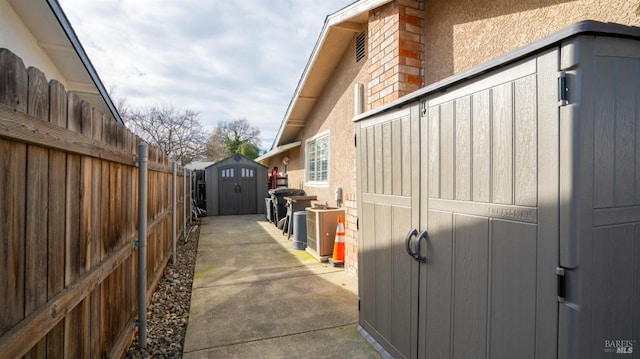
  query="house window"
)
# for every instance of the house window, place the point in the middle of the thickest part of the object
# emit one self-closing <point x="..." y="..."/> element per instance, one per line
<point x="318" y="160"/>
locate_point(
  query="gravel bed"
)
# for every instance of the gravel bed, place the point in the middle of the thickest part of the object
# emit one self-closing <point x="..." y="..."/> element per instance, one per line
<point x="168" y="313"/>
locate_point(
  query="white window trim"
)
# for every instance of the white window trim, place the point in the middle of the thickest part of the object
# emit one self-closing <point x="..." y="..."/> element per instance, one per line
<point x="317" y="136"/>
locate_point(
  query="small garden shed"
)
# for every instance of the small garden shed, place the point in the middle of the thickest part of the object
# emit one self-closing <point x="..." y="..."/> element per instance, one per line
<point x="500" y="208"/>
<point x="236" y="185"/>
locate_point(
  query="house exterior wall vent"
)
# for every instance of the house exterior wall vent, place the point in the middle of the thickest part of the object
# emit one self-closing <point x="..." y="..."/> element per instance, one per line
<point x="360" y="46"/>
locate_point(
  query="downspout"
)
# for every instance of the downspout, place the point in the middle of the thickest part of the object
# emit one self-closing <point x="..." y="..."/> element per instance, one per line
<point x="141" y="244"/>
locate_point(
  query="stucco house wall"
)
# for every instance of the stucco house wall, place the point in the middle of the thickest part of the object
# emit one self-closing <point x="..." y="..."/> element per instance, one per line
<point x="464" y="33"/>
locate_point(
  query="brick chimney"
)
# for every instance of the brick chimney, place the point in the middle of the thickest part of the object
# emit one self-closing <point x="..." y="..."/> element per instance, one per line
<point x="396" y="51"/>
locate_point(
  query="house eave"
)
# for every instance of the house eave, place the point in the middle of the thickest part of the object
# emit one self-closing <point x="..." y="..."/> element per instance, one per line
<point x="338" y="31"/>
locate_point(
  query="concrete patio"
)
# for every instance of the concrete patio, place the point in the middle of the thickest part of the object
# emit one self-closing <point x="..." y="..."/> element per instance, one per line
<point x="255" y="296"/>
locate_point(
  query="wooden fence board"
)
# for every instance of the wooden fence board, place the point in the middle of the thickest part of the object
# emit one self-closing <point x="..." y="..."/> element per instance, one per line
<point x="74" y="115"/>
<point x="37" y="179"/>
<point x="114" y="205"/>
<point x="74" y="260"/>
<point x="56" y="221"/>
<point x="57" y="214"/>
<point x="57" y="194"/>
<point x="38" y="94"/>
<point x="37" y="199"/>
<point x="57" y="104"/>
<point x="56" y="241"/>
<point x="96" y="241"/>
<point x="86" y="237"/>
<point x="72" y="344"/>
<point x="36" y="234"/>
<point x="13" y="87"/>
<point x="12" y="247"/>
<point x="55" y="341"/>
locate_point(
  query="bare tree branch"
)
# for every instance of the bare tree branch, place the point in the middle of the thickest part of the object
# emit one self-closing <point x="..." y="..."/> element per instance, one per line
<point x="177" y="134"/>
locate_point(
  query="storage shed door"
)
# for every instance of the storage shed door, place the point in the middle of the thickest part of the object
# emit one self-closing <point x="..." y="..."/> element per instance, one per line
<point x="487" y="164"/>
<point x="237" y="186"/>
<point x="488" y="286"/>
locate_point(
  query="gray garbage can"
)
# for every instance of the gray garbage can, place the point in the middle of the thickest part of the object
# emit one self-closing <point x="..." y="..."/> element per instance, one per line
<point x="300" y="230"/>
<point x="268" y="208"/>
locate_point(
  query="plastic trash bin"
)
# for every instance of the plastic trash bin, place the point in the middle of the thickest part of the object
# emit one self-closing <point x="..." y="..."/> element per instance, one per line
<point x="279" y="204"/>
<point x="300" y="230"/>
<point x="268" y="206"/>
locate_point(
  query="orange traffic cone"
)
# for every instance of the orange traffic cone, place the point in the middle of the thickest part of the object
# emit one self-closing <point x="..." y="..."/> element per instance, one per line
<point x="338" y="245"/>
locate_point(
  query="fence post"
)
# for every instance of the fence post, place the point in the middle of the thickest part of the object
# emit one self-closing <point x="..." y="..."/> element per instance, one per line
<point x="184" y="203"/>
<point x="190" y="196"/>
<point x="141" y="244"/>
<point x="173" y="212"/>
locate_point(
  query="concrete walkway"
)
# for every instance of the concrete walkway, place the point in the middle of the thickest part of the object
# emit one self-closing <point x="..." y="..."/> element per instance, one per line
<point x="254" y="296"/>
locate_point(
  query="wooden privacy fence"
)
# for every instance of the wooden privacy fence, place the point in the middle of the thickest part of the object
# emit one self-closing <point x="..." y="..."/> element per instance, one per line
<point x="68" y="221"/>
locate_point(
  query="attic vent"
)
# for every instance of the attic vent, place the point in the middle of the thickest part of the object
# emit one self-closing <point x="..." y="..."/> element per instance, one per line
<point x="360" y="50"/>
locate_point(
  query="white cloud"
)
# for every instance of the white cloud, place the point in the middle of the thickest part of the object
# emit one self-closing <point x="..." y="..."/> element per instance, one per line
<point x="225" y="59"/>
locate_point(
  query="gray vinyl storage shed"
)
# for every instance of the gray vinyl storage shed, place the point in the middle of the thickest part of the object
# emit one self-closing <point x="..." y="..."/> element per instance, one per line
<point x="500" y="208"/>
<point x="236" y="185"/>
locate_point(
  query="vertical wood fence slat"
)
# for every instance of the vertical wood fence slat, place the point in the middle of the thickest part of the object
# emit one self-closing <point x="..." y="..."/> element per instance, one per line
<point x="36" y="234"/>
<point x="37" y="200"/>
<point x="68" y="285"/>
<point x="13" y="93"/>
<point x="37" y="94"/>
<point x="12" y="247"/>
<point x="73" y="258"/>
<point x="57" y="213"/>
<point x="13" y="87"/>
<point x="56" y="241"/>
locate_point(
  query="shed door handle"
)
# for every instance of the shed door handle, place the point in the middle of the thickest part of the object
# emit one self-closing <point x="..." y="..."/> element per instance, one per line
<point x="407" y="242"/>
<point x="419" y="256"/>
<point x="237" y="188"/>
<point x="416" y="251"/>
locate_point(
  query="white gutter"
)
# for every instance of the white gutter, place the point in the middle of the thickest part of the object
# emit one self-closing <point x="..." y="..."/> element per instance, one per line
<point x="279" y="150"/>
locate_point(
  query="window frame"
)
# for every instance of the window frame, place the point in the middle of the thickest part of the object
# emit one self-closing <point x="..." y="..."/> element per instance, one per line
<point x="310" y="145"/>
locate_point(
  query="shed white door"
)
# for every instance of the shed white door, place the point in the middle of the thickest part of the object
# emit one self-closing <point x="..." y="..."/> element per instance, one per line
<point x="237" y="186"/>
<point x="477" y="172"/>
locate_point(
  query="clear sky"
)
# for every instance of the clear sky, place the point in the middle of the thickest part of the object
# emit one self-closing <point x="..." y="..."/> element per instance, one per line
<point x="226" y="59"/>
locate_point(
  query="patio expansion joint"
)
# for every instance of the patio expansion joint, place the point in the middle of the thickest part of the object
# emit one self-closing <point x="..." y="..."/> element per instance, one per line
<point x="266" y="280"/>
<point x="271" y="338"/>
